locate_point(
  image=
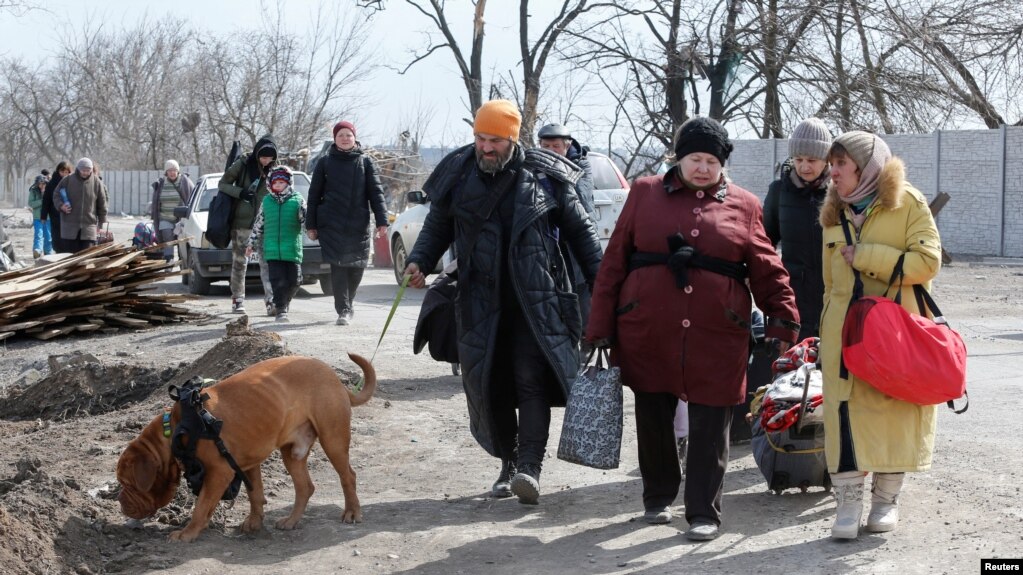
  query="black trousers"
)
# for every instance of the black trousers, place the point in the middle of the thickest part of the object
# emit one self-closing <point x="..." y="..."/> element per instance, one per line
<point x="345" y="281"/>
<point x="521" y="379"/>
<point x="78" y="244"/>
<point x="285" y="278"/>
<point x="705" y="463"/>
<point x="57" y="241"/>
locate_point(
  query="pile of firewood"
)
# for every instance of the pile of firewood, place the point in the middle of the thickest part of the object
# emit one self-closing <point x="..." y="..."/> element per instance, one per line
<point x="98" y="289"/>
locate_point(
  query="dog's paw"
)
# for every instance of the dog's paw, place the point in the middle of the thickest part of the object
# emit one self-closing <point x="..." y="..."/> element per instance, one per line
<point x="286" y="524"/>
<point x="252" y="524"/>
<point x="352" y="516"/>
<point x="183" y="536"/>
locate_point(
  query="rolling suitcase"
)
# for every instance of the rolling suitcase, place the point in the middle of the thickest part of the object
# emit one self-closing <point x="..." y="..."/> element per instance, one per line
<point x="788" y="432"/>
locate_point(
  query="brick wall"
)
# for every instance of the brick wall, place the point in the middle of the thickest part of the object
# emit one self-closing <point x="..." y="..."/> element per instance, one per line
<point x="969" y="165"/>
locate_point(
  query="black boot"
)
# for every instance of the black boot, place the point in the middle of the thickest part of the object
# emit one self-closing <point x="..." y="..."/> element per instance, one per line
<point x="502" y="487"/>
<point x="526" y="484"/>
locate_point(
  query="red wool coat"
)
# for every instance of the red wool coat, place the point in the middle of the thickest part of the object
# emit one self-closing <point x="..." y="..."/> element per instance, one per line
<point x="688" y="342"/>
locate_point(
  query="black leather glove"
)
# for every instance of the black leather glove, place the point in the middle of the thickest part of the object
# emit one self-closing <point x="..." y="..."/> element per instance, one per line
<point x="678" y="259"/>
<point x="247" y="195"/>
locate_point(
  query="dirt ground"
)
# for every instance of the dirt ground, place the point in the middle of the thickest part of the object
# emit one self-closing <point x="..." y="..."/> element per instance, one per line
<point x="68" y="407"/>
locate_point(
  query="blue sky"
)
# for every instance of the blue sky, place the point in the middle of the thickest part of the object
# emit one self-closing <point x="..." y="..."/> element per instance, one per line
<point x="434" y="81"/>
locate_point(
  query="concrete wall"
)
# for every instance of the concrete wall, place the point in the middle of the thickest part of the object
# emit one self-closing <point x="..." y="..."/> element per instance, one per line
<point x="982" y="170"/>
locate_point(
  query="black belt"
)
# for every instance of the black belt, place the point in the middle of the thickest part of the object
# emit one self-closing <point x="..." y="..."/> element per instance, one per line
<point x="735" y="270"/>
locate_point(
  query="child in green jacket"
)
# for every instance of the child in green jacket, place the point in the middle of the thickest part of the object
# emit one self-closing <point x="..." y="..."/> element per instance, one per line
<point x="277" y="233"/>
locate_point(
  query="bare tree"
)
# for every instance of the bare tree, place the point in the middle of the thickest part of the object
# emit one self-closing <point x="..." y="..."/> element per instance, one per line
<point x="471" y="68"/>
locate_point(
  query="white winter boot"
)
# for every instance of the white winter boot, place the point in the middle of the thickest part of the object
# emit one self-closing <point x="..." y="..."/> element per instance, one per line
<point x="884" y="502"/>
<point x="848" y="487"/>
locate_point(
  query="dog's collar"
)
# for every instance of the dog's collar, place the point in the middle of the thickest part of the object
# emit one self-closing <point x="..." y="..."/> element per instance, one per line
<point x="166" y="422"/>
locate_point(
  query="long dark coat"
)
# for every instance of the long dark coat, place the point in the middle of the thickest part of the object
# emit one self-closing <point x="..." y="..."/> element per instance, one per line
<point x="345" y="185"/>
<point x="791" y="219"/>
<point x="691" y="342"/>
<point x="535" y="266"/>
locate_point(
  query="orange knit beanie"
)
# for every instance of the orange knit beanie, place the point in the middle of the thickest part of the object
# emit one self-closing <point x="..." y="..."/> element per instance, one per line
<point x="498" y="118"/>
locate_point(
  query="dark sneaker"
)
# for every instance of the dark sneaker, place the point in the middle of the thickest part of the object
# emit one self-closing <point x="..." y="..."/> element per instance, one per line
<point x="238" y="305"/>
<point x="271" y="309"/>
<point x="526" y="484"/>
<point x="502" y="487"/>
<point x="657" y="515"/>
<point x="701" y="530"/>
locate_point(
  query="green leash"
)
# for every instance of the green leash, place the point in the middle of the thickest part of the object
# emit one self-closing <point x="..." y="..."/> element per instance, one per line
<point x="390" y="316"/>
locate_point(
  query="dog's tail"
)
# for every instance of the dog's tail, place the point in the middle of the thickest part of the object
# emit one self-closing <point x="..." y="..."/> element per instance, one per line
<point x="369" y="377"/>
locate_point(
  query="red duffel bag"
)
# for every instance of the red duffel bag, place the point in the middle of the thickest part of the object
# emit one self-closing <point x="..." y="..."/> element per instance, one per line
<point x="907" y="356"/>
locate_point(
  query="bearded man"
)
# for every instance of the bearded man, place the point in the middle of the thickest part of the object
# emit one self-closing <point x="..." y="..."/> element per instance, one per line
<point x="505" y="209"/>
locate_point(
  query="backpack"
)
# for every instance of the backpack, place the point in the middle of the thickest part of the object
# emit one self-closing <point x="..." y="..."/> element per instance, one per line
<point x="221" y="216"/>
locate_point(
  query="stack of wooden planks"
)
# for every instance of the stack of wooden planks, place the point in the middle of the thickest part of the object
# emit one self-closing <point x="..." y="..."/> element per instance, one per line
<point x="98" y="289"/>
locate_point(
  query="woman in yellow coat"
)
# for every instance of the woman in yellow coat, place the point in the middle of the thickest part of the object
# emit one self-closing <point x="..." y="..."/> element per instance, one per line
<point x="866" y="430"/>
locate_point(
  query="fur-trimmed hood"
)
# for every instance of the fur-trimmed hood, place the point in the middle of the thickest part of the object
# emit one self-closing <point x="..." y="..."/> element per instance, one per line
<point x="889" y="191"/>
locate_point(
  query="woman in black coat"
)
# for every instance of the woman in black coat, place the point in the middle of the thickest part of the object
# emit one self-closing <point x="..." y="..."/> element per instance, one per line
<point x="51" y="213"/>
<point x="791" y="212"/>
<point x="345" y="186"/>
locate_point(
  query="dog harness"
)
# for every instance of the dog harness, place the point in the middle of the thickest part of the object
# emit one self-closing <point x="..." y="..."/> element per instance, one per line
<point x="198" y="423"/>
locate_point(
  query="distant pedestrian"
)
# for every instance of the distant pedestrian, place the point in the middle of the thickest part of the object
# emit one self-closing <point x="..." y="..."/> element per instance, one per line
<point x="41" y="241"/>
<point x="171" y="190"/>
<point x="277" y="234"/>
<point x="82" y="201"/>
<point x="345" y="188"/>
<point x="49" y="212"/>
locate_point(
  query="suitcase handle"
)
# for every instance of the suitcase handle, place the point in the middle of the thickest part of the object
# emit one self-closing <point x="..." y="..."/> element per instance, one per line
<point x="805" y="368"/>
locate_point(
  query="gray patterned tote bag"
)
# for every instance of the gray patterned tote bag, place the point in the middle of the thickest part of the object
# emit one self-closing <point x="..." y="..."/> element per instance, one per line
<point x="592" y="432"/>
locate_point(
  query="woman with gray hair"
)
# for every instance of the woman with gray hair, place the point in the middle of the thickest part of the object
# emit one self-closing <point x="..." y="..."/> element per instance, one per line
<point x="171" y="190"/>
<point x="82" y="201"/>
<point x="887" y="219"/>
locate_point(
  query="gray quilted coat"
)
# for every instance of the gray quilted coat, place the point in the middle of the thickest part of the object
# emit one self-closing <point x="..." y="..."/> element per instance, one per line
<point x="536" y="268"/>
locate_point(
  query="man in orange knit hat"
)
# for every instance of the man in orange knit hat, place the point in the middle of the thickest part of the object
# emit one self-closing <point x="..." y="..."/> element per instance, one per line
<point x="505" y="209"/>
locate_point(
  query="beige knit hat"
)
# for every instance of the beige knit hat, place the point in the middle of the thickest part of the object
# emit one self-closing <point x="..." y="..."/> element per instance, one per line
<point x="811" y="138"/>
<point x="859" y="145"/>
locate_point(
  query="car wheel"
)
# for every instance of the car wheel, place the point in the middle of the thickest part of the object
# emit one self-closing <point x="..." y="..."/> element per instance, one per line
<point x="197" y="284"/>
<point x="398" y="256"/>
<point x="326" y="286"/>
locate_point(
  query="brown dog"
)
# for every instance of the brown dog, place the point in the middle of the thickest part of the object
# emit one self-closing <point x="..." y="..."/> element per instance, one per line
<point x="283" y="403"/>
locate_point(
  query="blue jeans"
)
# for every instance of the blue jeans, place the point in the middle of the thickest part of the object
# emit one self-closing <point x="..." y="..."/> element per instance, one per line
<point x="41" y="237"/>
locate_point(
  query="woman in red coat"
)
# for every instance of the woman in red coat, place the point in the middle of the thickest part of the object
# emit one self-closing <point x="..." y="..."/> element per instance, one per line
<point x="671" y="299"/>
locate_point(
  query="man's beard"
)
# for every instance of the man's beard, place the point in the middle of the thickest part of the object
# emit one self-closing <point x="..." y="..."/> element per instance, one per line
<point x="493" y="165"/>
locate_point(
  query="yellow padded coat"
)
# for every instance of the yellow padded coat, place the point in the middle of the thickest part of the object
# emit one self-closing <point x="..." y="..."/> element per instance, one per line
<point x="888" y="435"/>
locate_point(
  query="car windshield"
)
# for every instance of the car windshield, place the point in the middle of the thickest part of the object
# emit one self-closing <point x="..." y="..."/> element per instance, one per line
<point x="300" y="181"/>
<point x="604" y="175"/>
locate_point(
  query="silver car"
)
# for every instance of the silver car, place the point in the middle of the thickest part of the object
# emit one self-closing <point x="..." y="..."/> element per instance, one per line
<point x="609" y="193"/>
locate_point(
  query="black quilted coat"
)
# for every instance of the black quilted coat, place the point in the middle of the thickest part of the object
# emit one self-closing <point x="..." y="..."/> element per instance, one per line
<point x="536" y="268"/>
<point x="345" y="185"/>
<point x="791" y="220"/>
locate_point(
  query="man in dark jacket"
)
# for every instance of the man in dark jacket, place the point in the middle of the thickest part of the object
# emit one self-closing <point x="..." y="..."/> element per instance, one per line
<point x="245" y="181"/>
<point x="791" y="211"/>
<point x="519" y="323"/>
<point x="558" y="139"/>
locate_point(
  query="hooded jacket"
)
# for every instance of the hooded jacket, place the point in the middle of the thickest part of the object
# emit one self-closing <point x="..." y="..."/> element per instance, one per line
<point x="888" y="435"/>
<point x="345" y="186"/>
<point x="244" y="174"/>
<point x="792" y="221"/>
<point x="533" y="261"/>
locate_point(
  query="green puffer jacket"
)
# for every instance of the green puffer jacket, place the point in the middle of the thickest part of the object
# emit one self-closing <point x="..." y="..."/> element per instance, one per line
<point x="282" y="229"/>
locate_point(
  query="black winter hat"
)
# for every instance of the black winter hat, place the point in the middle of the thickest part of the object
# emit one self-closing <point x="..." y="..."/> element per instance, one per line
<point x="702" y="135"/>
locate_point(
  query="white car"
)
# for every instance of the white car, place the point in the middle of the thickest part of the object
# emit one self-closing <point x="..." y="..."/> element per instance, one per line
<point x="210" y="264"/>
<point x="609" y="193"/>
